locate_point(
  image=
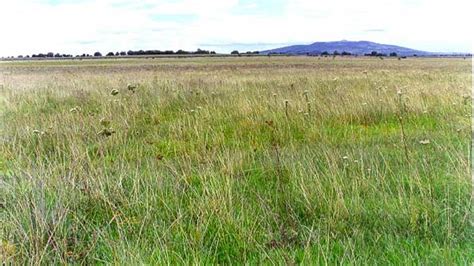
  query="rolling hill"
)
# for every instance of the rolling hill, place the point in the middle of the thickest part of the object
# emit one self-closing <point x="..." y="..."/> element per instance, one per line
<point x="353" y="47"/>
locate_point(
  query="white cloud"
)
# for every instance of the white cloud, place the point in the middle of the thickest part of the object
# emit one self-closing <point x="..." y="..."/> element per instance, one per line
<point x="73" y="26"/>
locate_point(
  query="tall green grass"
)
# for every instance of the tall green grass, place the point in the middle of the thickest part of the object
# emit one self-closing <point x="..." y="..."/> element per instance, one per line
<point x="267" y="160"/>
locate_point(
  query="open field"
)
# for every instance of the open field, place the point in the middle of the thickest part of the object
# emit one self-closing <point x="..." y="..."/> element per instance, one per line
<point x="217" y="160"/>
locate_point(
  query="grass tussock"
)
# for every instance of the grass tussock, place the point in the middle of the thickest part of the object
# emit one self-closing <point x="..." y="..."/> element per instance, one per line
<point x="256" y="160"/>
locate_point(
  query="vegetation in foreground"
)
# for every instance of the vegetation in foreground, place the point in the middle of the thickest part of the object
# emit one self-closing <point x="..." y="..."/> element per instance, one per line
<point x="256" y="160"/>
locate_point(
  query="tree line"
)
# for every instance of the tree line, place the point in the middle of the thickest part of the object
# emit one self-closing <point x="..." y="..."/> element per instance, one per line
<point x="121" y="53"/>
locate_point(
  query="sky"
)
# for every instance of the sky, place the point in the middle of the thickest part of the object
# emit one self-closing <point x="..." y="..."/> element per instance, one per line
<point x="86" y="26"/>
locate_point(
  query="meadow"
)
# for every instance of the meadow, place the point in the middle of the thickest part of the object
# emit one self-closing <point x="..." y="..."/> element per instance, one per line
<point x="259" y="160"/>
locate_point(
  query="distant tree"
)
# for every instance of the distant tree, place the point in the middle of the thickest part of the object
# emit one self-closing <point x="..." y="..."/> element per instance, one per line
<point x="50" y="54"/>
<point x="345" y="53"/>
<point x="235" y="52"/>
<point x="109" y="54"/>
<point x="123" y="53"/>
<point x="117" y="54"/>
<point x="199" y="51"/>
<point x="393" y="54"/>
<point x="375" y="53"/>
<point x="325" y="53"/>
<point x="336" y="53"/>
<point x="97" y="54"/>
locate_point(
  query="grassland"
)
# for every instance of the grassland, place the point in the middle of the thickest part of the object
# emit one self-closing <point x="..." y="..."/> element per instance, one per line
<point x="233" y="160"/>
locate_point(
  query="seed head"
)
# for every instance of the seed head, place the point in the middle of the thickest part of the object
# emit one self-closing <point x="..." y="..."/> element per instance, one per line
<point x="114" y="92"/>
<point x="104" y="122"/>
<point x="75" y="109"/>
<point x="106" y="132"/>
<point x="425" y="142"/>
<point x="269" y="123"/>
<point x="131" y="87"/>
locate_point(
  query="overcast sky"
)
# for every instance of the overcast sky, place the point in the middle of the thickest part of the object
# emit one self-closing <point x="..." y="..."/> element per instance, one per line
<point x="86" y="26"/>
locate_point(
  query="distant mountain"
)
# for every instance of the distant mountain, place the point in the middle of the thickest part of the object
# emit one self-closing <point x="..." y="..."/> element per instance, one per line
<point x="353" y="47"/>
